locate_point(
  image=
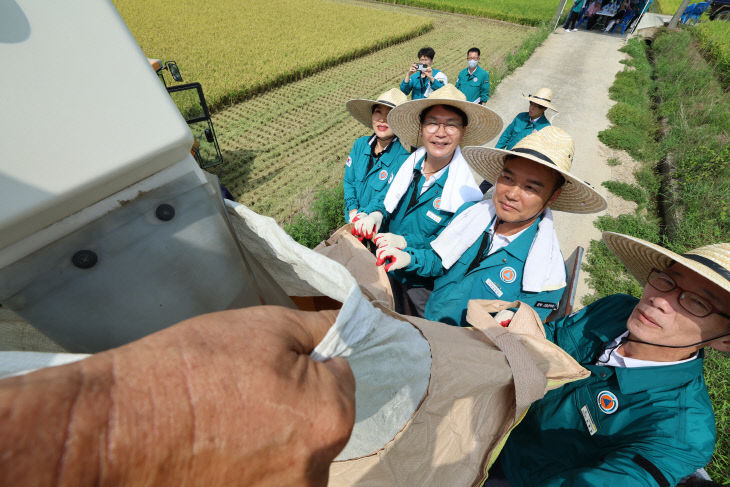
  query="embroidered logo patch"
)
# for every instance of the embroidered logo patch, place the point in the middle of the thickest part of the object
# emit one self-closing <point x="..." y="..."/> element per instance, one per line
<point x="476" y="80"/>
<point x="508" y="275"/>
<point x="495" y="289"/>
<point x="437" y="203"/>
<point x="383" y="175"/>
<point x="608" y="402"/>
<point x="348" y="163"/>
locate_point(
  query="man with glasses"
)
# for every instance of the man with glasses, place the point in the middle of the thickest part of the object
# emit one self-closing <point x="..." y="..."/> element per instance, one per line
<point x="643" y="417"/>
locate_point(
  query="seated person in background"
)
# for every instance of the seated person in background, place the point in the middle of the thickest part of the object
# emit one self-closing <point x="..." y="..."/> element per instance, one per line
<point x="228" y="398"/>
<point x="473" y="81"/>
<point x="643" y="417"/>
<point x="422" y="79"/>
<point x="528" y="122"/>
<point x="505" y="248"/>
<point x="432" y="184"/>
<point x="374" y="159"/>
<point x="591" y="12"/>
<point x="624" y="9"/>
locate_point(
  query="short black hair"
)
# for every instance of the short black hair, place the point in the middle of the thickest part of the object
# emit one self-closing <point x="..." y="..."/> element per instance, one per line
<point x="453" y="109"/>
<point x="476" y="50"/>
<point x="428" y="52"/>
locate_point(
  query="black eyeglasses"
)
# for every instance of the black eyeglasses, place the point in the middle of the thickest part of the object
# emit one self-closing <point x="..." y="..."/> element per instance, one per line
<point x="694" y="304"/>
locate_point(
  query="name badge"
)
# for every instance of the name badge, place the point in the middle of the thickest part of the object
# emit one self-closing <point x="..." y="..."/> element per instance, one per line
<point x="495" y="289"/>
<point x="433" y="216"/>
<point x="588" y="420"/>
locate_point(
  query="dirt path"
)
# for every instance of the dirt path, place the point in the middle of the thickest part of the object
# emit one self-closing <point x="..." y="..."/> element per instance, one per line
<point x="579" y="67"/>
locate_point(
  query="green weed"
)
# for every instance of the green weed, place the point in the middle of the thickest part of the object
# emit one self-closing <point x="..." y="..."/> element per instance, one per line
<point x="327" y="214"/>
<point x="612" y="161"/>
<point x="629" y="192"/>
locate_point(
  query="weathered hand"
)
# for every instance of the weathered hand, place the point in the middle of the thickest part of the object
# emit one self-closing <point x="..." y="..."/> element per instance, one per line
<point x="225" y="398"/>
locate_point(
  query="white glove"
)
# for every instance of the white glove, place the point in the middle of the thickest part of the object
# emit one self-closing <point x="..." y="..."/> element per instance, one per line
<point x="351" y="216"/>
<point x="367" y="226"/>
<point x="389" y="240"/>
<point x="392" y="258"/>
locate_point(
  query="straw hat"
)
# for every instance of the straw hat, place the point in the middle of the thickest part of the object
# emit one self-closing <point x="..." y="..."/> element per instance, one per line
<point x="362" y="110"/>
<point x="640" y="257"/>
<point x="551" y="147"/>
<point x="483" y="125"/>
<point x="543" y="97"/>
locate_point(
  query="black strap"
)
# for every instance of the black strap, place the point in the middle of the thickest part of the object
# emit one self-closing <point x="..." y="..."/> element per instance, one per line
<point x="374" y="158"/>
<point x="414" y="195"/>
<point x="652" y="470"/>
<point x="479" y="257"/>
<point x="535" y="153"/>
<point x="539" y="98"/>
<point x="709" y="263"/>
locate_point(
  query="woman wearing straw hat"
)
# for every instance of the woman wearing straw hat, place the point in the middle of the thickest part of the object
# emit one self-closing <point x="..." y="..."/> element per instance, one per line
<point x="506" y="247"/>
<point x="432" y="184"/>
<point x="528" y="122"/>
<point x="374" y="159"/>
<point x="643" y="416"/>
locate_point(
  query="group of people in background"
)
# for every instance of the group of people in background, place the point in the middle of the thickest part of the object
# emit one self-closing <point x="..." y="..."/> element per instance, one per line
<point x="412" y="192"/>
<point x="613" y="11"/>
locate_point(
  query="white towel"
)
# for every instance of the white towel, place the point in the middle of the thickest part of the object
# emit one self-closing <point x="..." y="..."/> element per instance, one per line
<point x="544" y="268"/>
<point x="460" y="184"/>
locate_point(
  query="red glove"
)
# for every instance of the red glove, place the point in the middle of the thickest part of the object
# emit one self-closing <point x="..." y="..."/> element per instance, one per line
<point x="392" y="258"/>
<point x="367" y="226"/>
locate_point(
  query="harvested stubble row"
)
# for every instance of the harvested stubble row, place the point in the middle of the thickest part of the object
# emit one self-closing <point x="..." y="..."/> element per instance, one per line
<point x="281" y="147"/>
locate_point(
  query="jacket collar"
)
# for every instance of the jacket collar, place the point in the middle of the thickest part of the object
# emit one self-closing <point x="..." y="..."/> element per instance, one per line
<point x="520" y="247"/>
<point x="638" y="379"/>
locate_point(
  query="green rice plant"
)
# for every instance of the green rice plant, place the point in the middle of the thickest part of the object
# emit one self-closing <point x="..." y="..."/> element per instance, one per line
<point x="528" y="12"/>
<point x="714" y="37"/>
<point x="236" y="50"/>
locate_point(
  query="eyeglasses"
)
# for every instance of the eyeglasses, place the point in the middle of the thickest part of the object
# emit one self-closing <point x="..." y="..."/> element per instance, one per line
<point x="451" y="128"/>
<point x="694" y="304"/>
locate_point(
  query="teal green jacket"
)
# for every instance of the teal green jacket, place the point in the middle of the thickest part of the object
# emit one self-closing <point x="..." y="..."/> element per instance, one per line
<point x="519" y="128"/>
<point x="499" y="276"/>
<point x="662" y="429"/>
<point x="419" y="219"/>
<point x="475" y="86"/>
<point x="418" y="85"/>
<point x="363" y="188"/>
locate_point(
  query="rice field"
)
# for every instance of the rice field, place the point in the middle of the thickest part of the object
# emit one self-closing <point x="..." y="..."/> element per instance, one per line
<point x="281" y="147"/>
<point x="528" y="12"/>
<point x="714" y="37"/>
<point x="236" y="49"/>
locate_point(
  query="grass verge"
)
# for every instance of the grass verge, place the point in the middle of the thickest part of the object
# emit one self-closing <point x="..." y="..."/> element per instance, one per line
<point x="714" y="37"/>
<point x="236" y="50"/>
<point x="680" y="88"/>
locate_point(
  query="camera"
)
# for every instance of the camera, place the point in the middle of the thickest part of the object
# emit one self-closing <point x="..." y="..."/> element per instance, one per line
<point x="421" y="66"/>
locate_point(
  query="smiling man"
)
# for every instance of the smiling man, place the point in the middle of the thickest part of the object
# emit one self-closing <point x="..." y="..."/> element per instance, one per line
<point x="505" y="247"/>
<point x="643" y="417"/>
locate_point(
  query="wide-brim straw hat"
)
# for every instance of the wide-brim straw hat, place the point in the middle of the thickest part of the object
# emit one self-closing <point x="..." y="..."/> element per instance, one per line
<point x="362" y="110"/>
<point x="552" y="147"/>
<point x="543" y="97"/>
<point x="640" y="257"/>
<point x="483" y="123"/>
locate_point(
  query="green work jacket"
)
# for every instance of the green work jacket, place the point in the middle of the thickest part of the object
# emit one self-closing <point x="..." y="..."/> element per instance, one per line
<point x="365" y="188"/>
<point x="475" y="86"/>
<point x="499" y="276"/>
<point x="520" y="127"/>
<point x="417" y="85"/>
<point x="639" y="426"/>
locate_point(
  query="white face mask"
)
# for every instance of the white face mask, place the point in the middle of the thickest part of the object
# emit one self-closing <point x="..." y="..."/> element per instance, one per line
<point x="472" y="63"/>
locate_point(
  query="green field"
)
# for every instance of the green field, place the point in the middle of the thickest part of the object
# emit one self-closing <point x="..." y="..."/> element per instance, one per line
<point x="714" y="38"/>
<point x="529" y="12"/>
<point x="283" y="146"/>
<point x="237" y="49"/>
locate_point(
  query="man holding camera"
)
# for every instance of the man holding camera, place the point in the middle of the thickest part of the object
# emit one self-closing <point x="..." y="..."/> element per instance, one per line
<point x="421" y="79"/>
